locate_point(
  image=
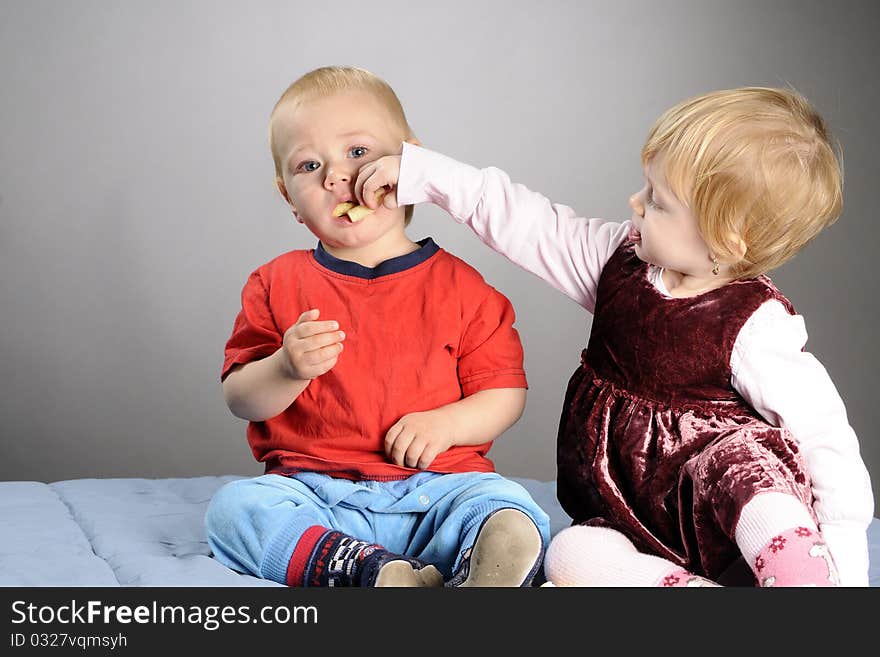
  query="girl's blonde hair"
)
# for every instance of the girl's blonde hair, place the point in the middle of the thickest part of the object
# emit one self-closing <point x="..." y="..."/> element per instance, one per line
<point x="755" y="164"/>
<point x="329" y="80"/>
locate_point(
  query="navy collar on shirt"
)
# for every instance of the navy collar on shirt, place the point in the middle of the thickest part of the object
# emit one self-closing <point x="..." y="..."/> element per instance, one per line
<point x="427" y="248"/>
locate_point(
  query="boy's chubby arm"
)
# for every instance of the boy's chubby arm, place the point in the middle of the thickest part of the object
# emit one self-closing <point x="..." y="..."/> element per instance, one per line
<point x="417" y="438"/>
<point x="262" y="389"/>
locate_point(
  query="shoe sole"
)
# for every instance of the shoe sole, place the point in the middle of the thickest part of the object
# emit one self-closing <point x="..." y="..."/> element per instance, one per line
<point x="402" y="574"/>
<point x="507" y="551"/>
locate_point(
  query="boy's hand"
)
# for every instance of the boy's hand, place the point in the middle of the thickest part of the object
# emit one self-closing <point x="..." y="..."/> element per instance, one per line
<point x="312" y="348"/>
<point x="416" y="439"/>
<point x="375" y="175"/>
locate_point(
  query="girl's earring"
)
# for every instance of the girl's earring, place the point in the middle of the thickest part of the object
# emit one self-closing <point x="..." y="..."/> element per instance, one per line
<point x="714" y="266"/>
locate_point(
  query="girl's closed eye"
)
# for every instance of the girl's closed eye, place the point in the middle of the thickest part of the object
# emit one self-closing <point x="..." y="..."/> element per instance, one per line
<point x="652" y="202"/>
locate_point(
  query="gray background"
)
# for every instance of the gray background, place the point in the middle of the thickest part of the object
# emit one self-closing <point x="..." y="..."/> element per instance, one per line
<point x="136" y="190"/>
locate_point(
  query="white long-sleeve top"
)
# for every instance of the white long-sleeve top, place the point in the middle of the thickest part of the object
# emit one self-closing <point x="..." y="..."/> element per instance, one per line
<point x="786" y="385"/>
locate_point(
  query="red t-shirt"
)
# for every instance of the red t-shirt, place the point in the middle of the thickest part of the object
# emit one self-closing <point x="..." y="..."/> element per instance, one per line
<point x="422" y="330"/>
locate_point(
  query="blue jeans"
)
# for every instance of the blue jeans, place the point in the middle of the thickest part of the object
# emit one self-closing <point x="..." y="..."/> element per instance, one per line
<point x="254" y="524"/>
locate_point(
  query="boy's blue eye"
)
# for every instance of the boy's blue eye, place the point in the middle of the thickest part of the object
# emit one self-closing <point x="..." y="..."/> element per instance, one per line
<point x="357" y="151"/>
<point x="311" y="165"/>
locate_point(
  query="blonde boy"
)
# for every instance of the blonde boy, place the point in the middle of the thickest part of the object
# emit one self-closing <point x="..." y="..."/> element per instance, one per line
<point x="375" y="373"/>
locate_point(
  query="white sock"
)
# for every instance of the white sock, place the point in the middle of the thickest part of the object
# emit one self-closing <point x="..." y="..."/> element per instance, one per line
<point x="767" y="515"/>
<point x="599" y="556"/>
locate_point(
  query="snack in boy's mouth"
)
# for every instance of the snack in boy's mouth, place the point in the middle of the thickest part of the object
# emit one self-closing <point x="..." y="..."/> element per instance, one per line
<point x="342" y="208"/>
<point x="357" y="212"/>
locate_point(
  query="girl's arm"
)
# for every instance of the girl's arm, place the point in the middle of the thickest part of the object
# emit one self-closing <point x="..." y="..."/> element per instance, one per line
<point x="791" y="389"/>
<point x="544" y="238"/>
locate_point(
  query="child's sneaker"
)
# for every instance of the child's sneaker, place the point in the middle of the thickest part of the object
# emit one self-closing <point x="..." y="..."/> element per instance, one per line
<point x="337" y="559"/>
<point x="507" y="552"/>
<point x="386" y="569"/>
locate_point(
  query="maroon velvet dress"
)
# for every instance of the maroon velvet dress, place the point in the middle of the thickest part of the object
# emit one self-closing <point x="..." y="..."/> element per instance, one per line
<point x="653" y="440"/>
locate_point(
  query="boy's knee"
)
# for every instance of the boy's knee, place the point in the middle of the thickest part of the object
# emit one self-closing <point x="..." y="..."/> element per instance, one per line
<point x="512" y="495"/>
<point x="230" y="501"/>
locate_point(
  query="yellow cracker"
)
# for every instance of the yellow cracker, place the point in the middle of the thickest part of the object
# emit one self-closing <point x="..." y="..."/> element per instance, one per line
<point x="358" y="212"/>
<point x="342" y="208"/>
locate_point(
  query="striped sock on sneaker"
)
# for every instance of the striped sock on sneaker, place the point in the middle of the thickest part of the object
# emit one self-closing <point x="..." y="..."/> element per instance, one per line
<point x="325" y="557"/>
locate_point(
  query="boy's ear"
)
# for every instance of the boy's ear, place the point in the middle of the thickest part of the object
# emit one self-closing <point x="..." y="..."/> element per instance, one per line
<point x="279" y="183"/>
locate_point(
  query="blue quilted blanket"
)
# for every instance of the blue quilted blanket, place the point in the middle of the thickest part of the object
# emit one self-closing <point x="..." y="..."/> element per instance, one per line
<point x="149" y="532"/>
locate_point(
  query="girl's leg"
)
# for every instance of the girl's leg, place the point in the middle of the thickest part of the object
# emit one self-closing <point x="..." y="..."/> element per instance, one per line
<point x="751" y="491"/>
<point x="601" y="556"/>
<point x="781" y="543"/>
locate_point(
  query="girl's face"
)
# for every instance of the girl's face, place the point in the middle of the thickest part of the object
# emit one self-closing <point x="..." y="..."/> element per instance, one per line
<point x="665" y="231"/>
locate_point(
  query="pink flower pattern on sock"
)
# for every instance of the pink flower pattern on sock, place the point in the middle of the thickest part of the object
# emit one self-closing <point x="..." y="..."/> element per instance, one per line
<point x="796" y="557"/>
<point x="777" y="543"/>
<point x="672" y="579"/>
<point x="680" y="577"/>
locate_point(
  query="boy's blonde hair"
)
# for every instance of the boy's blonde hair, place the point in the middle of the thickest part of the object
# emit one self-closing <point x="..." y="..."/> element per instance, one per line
<point x="755" y="164"/>
<point x="328" y="80"/>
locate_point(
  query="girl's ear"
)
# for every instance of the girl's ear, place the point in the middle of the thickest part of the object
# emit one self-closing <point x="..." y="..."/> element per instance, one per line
<point x="739" y="247"/>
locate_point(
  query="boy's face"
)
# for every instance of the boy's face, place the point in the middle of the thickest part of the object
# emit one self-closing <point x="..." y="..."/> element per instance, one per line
<point x="323" y="142"/>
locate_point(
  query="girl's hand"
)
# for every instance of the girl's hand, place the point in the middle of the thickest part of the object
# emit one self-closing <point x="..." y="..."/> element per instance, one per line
<point x="416" y="439"/>
<point x="373" y="176"/>
<point x="311" y="347"/>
